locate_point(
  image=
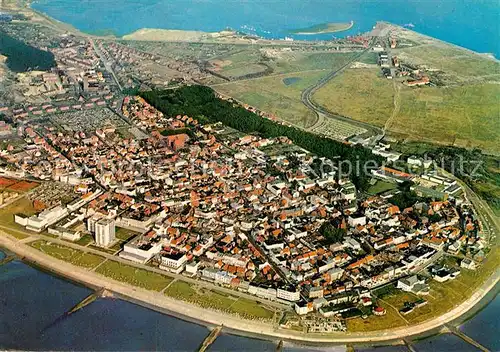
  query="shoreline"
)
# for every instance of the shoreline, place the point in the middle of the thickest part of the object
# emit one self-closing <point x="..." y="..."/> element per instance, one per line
<point x="70" y="28"/>
<point x="490" y="56"/>
<point x="189" y="312"/>
<point x="324" y="31"/>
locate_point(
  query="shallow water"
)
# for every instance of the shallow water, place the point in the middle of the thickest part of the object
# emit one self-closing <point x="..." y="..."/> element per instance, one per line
<point x="32" y="316"/>
<point x="400" y="348"/>
<point x="485" y="326"/>
<point x="298" y="348"/>
<point x="471" y="24"/>
<point x="444" y="343"/>
<point x="290" y="80"/>
<point x="226" y="342"/>
<point x="116" y="325"/>
<point x="30" y="300"/>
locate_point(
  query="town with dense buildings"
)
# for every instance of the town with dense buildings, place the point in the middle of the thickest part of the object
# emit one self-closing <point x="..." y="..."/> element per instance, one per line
<point x="203" y="201"/>
<point x="254" y="214"/>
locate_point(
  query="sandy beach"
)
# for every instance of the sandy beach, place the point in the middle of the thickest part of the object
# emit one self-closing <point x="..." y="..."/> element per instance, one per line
<point x="155" y="34"/>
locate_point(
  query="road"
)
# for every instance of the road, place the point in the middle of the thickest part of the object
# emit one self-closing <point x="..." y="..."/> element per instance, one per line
<point x="489" y="221"/>
<point x="323" y="113"/>
<point x="106" y="63"/>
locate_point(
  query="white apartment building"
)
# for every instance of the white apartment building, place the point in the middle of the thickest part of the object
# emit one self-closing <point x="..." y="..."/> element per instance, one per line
<point x="173" y="262"/>
<point x="288" y="294"/>
<point x="104" y="232"/>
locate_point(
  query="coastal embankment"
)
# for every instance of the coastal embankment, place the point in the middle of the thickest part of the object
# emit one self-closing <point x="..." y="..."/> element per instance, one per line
<point x="237" y="325"/>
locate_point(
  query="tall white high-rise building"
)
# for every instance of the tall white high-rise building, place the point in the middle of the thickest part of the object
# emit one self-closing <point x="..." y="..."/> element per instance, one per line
<point x="104" y="232"/>
<point x="92" y="221"/>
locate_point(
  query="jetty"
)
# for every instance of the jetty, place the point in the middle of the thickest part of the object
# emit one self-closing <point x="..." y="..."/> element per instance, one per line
<point x="7" y="259"/>
<point x="455" y="330"/>
<point x="89" y="299"/>
<point x="210" y="338"/>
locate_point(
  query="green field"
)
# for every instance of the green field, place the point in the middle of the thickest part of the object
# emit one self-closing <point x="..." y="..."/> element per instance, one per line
<point x="73" y="256"/>
<point x="297" y="62"/>
<point x="217" y="300"/>
<point x="21" y="206"/>
<point x="272" y="95"/>
<point x="125" y="234"/>
<point x="373" y="323"/>
<point x="458" y="64"/>
<point x="361" y="94"/>
<point x="380" y="187"/>
<point x="102" y="249"/>
<point x="255" y="60"/>
<point x="85" y="240"/>
<point x="239" y="62"/>
<point x="134" y="276"/>
<point x="462" y="109"/>
<point x="251" y="309"/>
<point x="442" y="298"/>
<point x="464" y="116"/>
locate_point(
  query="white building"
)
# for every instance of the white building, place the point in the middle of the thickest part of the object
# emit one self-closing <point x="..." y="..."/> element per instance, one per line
<point x="302" y="308"/>
<point x="173" y="262"/>
<point x="336" y="273"/>
<point x="348" y="191"/>
<point x="413" y="284"/>
<point x="44" y="219"/>
<point x="357" y="220"/>
<point x="223" y="277"/>
<point x="352" y="243"/>
<point x="288" y="294"/>
<point x="140" y="250"/>
<point x="192" y="268"/>
<point x="104" y="232"/>
<point x="468" y="264"/>
<point x="264" y="292"/>
<point x="316" y="292"/>
<point x="91" y="221"/>
<point x="415" y="161"/>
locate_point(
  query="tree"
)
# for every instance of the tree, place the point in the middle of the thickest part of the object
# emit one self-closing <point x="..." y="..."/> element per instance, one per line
<point x="197" y="101"/>
<point x="406" y="197"/>
<point x="331" y="233"/>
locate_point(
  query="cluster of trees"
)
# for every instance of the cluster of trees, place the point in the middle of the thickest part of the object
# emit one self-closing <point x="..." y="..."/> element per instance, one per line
<point x="22" y="57"/>
<point x="331" y="233"/>
<point x="406" y="197"/>
<point x="478" y="170"/>
<point x="200" y="102"/>
<point x="6" y="119"/>
<point x="176" y="131"/>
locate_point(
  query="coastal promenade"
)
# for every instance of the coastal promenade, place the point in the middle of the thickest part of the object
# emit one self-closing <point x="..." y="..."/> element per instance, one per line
<point x="236" y="324"/>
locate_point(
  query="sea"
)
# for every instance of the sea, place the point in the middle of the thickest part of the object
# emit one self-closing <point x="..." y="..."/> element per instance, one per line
<point x="473" y="24"/>
<point x="34" y="303"/>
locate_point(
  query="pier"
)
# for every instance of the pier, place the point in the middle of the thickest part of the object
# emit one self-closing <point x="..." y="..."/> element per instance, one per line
<point x="7" y="259"/>
<point x="409" y="345"/>
<point x="456" y="331"/>
<point x="210" y="338"/>
<point x="89" y="299"/>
